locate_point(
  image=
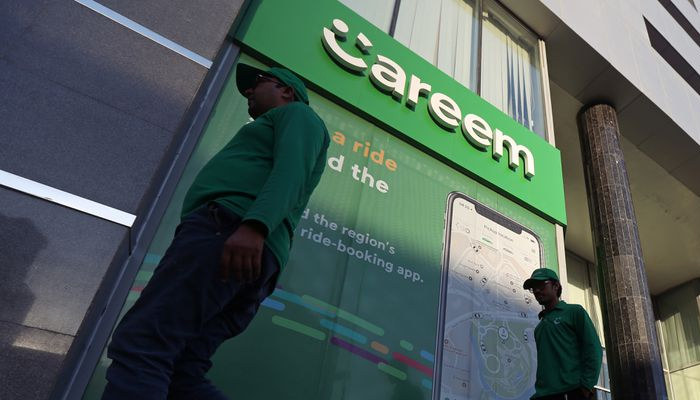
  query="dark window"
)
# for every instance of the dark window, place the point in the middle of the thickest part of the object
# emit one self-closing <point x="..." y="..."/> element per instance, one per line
<point x="673" y="57"/>
<point x="682" y="20"/>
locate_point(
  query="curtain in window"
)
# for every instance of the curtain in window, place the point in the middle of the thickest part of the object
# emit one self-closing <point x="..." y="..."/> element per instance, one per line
<point x="685" y="384"/>
<point x="507" y="70"/>
<point x="378" y="12"/>
<point x="442" y="32"/>
<point x="682" y="334"/>
<point x="680" y="320"/>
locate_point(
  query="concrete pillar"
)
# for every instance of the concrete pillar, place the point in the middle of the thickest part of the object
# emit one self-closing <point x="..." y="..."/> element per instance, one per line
<point x="632" y="348"/>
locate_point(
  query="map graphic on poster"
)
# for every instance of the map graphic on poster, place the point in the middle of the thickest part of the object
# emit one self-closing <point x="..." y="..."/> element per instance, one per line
<point x="488" y="347"/>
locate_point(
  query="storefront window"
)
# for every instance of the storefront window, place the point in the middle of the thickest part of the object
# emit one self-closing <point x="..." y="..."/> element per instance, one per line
<point x="358" y="240"/>
<point x="602" y="388"/>
<point x="354" y="314"/>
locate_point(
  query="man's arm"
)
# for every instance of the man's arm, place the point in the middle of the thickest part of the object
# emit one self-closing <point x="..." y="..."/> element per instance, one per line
<point x="591" y="350"/>
<point x="299" y="140"/>
<point x="300" y="137"/>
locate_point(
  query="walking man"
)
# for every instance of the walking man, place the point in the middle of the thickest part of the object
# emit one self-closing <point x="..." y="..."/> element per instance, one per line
<point x="569" y="353"/>
<point x="238" y="218"/>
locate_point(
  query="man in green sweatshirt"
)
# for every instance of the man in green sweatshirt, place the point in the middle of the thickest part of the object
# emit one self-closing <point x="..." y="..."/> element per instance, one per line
<point x="569" y="353"/>
<point x="238" y="219"/>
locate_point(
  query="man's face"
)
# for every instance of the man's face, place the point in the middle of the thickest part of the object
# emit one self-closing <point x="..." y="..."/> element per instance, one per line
<point x="545" y="291"/>
<point x="267" y="94"/>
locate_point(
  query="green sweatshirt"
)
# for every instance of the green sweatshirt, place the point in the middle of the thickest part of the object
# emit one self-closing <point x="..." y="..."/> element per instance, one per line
<point x="267" y="172"/>
<point x="569" y="353"/>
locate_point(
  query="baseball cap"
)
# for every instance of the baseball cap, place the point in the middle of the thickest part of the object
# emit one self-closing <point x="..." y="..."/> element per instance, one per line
<point x="540" y="274"/>
<point x="246" y="74"/>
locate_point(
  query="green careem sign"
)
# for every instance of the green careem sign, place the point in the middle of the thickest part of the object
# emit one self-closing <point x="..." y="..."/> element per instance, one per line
<point x="347" y="58"/>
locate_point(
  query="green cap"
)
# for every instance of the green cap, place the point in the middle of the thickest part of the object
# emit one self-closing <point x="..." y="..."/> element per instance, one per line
<point x="540" y="274"/>
<point x="246" y="79"/>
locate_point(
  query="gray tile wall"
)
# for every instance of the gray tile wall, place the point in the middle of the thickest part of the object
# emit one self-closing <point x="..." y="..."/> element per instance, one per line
<point x="94" y="109"/>
<point x="53" y="260"/>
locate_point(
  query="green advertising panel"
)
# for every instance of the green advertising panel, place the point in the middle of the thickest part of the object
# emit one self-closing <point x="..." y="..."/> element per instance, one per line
<point x="361" y="67"/>
<point x="398" y="262"/>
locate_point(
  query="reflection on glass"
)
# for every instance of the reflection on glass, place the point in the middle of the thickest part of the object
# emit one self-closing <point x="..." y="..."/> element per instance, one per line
<point x="603" y="380"/>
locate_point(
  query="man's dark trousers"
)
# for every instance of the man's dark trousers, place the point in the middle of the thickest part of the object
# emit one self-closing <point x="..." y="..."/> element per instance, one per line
<point x="165" y="341"/>
<point x="572" y="395"/>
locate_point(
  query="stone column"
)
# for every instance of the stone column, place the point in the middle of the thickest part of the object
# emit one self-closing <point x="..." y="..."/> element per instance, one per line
<point x="631" y="343"/>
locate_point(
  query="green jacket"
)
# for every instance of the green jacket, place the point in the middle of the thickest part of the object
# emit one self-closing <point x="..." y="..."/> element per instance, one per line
<point x="267" y="172"/>
<point x="569" y="353"/>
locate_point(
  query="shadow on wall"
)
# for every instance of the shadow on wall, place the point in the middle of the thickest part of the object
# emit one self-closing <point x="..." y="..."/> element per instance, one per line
<point x="82" y="95"/>
<point x="20" y="242"/>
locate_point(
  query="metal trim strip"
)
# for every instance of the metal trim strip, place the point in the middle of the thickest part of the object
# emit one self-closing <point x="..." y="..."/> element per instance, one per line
<point x="66" y="199"/>
<point x="145" y="32"/>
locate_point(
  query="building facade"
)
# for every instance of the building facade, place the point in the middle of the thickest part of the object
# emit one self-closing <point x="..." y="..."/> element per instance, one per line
<point x="110" y="109"/>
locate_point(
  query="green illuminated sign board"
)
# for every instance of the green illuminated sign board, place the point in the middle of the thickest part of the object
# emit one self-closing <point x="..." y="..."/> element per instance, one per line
<point x="360" y="66"/>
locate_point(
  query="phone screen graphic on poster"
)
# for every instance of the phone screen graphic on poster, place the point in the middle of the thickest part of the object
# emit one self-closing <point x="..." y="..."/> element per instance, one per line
<point x="405" y="277"/>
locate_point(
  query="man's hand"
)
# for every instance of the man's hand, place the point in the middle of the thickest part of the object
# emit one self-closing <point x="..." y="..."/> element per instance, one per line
<point x="242" y="252"/>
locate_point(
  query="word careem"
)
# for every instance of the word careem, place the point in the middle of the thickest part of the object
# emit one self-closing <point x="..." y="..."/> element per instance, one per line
<point x="390" y="78"/>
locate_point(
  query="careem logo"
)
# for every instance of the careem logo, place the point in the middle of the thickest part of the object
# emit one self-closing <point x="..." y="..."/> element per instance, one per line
<point x="390" y="78"/>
